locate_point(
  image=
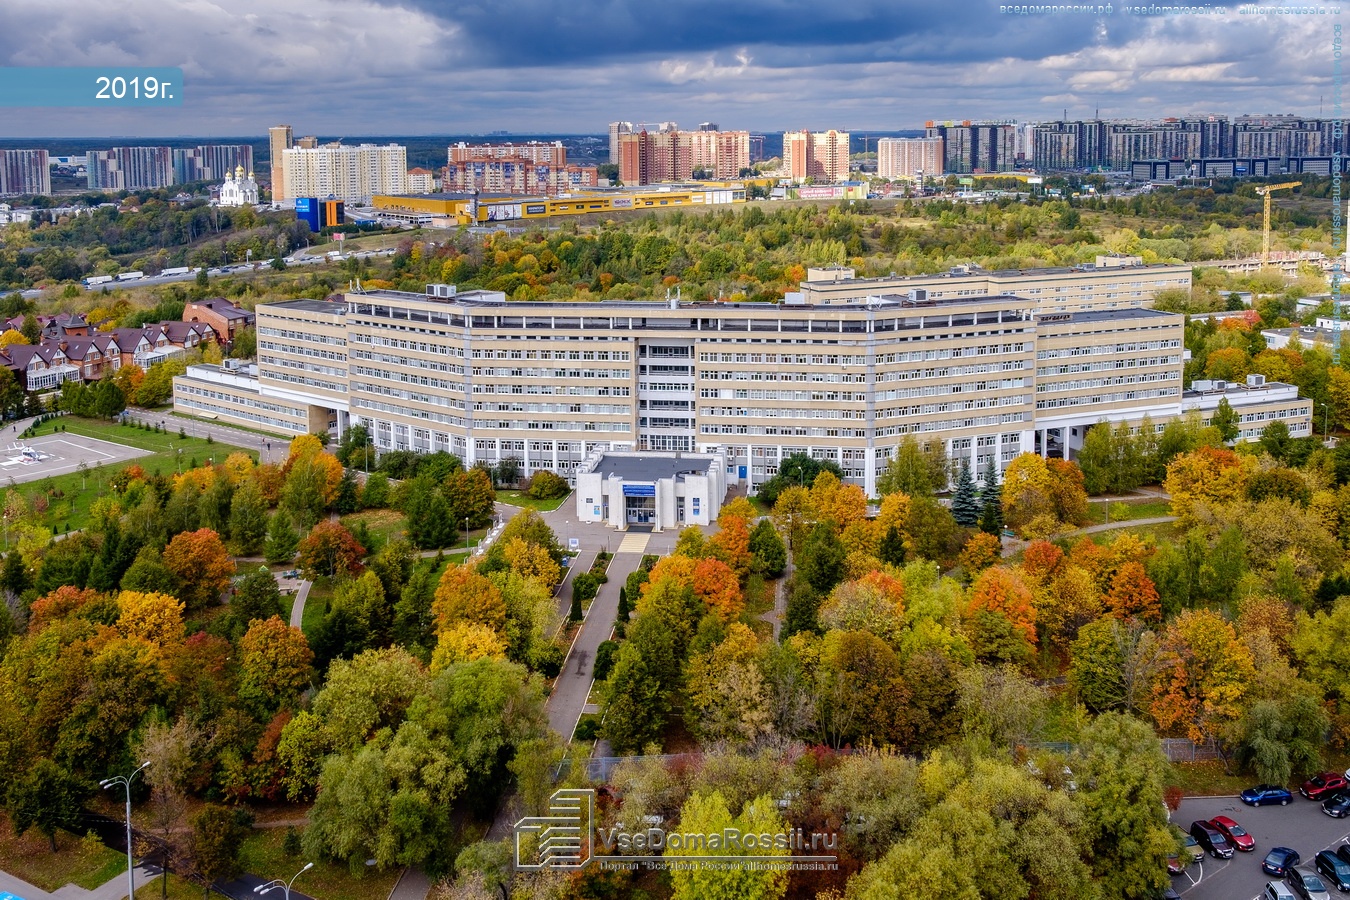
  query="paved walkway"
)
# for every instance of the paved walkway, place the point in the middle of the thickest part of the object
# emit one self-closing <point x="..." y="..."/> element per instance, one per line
<point x="113" y="889"/>
<point x="1012" y="546"/>
<point x="573" y="684"/>
<point x="413" y="884"/>
<point x="298" y="607"/>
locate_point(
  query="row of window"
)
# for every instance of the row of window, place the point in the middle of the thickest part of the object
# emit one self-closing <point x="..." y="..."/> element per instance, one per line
<point x="1088" y="383"/>
<point x="408" y="362"/>
<point x="901" y="412"/>
<point x="555" y="374"/>
<point x="267" y="362"/>
<point x="1109" y="349"/>
<point x="308" y="337"/>
<point x="953" y="424"/>
<point x="313" y="352"/>
<point x="1117" y="397"/>
<point x="307" y="381"/>
<point x="614" y="355"/>
<point x="594" y="409"/>
<point x="571" y="390"/>
<point x="815" y="396"/>
<point x="1136" y="362"/>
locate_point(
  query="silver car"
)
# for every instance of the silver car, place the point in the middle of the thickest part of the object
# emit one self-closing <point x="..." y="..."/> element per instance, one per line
<point x="1307" y="883"/>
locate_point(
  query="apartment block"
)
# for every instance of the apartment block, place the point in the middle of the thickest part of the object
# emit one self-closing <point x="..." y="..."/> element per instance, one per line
<point x="616" y="129"/>
<point x="25" y="172"/>
<point x="1110" y="283"/>
<point x="351" y="174"/>
<point x="652" y="157"/>
<point x="211" y="162"/>
<point x="907" y="157"/>
<point x="819" y="155"/>
<point x="280" y="138"/>
<point x="130" y="168"/>
<point x="975" y="146"/>
<point x="527" y="169"/>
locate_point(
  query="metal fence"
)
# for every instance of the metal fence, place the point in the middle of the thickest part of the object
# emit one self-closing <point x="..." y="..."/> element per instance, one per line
<point x="1186" y="750"/>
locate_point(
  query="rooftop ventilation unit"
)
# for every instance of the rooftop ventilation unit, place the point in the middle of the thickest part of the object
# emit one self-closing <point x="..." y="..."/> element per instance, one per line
<point x="444" y="291"/>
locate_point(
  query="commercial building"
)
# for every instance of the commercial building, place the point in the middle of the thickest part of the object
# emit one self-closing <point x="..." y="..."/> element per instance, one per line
<point x="664" y="490"/>
<point x="1110" y="283"/>
<point x="554" y="384"/>
<point x="653" y="157"/>
<point x="467" y="208"/>
<point x="25" y="172"/>
<point x="320" y="214"/>
<point x="819" y="155"/>
<point x="350" y="174"/>
<point x="969" y="147"/>
<point x="130" y="168"/>
<point x="909" y="158"/>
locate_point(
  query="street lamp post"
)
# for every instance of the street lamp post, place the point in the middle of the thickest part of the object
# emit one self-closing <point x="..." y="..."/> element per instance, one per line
<point x="466" y="532"/>
<point x="284" y="885"/>
<point x="125" y="782"/>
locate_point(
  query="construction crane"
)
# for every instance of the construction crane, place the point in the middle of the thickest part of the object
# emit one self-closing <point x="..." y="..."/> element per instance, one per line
<point x="1266" y="191"/>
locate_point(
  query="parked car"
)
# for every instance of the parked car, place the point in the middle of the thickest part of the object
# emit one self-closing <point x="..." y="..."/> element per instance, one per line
<point x="1306" y="884"/>
<point x="1211" y="839"/>
<point x="1194" y="847"/>
<point x="1235" y="833"/>
<point x="1337" y="805"/>
<point x="1334" y="869"/>
<point x="1175" y="866"/>
<point x="1344" y="852"/>
<point x="1318" y="786"/>
<point x="1279" y="861"/>
<point x="1277" y="890"/>
<point x="1265" y="795"/>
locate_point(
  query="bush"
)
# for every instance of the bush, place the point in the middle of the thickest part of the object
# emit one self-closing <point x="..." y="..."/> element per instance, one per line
<point x="588" y="726"/>
<point x="604" y="659"/>
<point x="546" y="485"/>
<point x="584" y="587"/>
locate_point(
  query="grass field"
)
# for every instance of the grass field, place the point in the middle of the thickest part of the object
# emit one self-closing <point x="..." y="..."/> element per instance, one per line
<point x="71" y="495"/>
<point x="85" y="863"/>
<point x="263" y="855"/>
<point x="384" y="525"/>
<point x="522" y="499"/>
<point x="1123" y="511"/>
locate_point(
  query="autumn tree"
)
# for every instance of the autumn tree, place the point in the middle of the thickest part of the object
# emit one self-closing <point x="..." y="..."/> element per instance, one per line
<point x="1000" y="593"/>
<point x="1026" y="490"/>
<point x="154" y="618"/>
<point x="980" y="552"/>
<point x="463" y="595"/>
<point x="709" y="814"/>
<point x="202" y="565"/>
<point x="275" y="662"/>
<point x="1205" y="673"/>
<point x="471" y="497"/>
<point x="1206" y="475"/>
<point x="48" y="797"/>
<point x="248" y="518"/>
<point x="329" y="550"/>
<point x="216" y="840"/>
<point x="1133" y="594"/>
<point x="282" y="539"/>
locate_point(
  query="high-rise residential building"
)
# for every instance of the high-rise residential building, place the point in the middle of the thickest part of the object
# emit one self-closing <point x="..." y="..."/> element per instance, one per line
<point x="280" y="138"/>
<point x="130" y="168"/>
<point x="708" y="126"/>
<point x="906" y="157"/>
<point x="538" y="152"/>
<point x="421" y="181"/>
<point x="819" y="155"/>
<point x="531" y="168"/>
<point x="350" y="174"/>
<point x="651" y="157"/>
<point x="211" y="162"/>
<point x="976" y="146"/>
<point x="616" y="129"/>
<point x="307" y="143"/>
<point x="24" y="172"/>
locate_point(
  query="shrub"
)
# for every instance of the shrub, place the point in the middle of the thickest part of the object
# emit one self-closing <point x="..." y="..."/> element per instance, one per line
<point x="604" y="659"/>
<point x="546" y="485"/>
<point x="588" y="726"/>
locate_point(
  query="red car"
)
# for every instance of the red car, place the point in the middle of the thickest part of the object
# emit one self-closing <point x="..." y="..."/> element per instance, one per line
<point x="1236" y="834"/>
<point x="1319" y="786"/>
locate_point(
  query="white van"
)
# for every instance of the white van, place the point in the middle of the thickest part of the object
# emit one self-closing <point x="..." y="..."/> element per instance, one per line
<point x="1277" y="890"/>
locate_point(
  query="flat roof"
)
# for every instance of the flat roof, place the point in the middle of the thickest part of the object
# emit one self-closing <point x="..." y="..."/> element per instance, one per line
<point x="318" y="306"/>
<point x="1102" y="315"/>
<point x="456" y="195"/>
<point x="653" y="467"/>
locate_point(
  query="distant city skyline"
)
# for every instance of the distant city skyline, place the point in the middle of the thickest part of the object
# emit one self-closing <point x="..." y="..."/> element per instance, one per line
<point x="403" y="67"/>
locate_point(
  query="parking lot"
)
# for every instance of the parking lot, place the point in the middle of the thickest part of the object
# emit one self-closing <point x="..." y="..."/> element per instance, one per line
<point x="1301" y="825"/>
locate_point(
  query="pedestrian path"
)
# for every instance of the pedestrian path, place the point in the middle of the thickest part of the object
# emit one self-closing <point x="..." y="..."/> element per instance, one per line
<point x="115" y="888"/>
<point x="634" y="542"/>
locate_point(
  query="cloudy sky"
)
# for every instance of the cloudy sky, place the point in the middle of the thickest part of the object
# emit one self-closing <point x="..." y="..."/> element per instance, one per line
<point x="361" y="67"/>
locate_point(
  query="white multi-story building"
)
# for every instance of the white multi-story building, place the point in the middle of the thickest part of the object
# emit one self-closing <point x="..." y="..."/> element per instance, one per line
<point x="351" y="174"/>
<point x="848" y="379"/>
<point x="25" y="172"/>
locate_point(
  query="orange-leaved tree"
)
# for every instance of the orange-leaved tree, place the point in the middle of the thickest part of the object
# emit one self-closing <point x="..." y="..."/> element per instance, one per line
<point x="463" y="595"/>
<point x="329" y="550"/>
<point x="1133" y="594"/>
<point x="1205" y="475"/>
<point x="1204" y="677"/>
<point x="202" y="565"/>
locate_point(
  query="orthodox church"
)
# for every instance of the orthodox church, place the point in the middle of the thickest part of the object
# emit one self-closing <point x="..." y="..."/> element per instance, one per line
<point x="239" y="190"/>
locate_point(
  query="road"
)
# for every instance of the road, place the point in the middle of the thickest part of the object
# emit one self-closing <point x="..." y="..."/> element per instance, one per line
<point x="272" y="448"/>
<point x="1301" y="825"/>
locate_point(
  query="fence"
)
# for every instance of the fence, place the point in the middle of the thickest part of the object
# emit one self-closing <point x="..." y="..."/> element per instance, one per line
<point x="1186" y="750"/>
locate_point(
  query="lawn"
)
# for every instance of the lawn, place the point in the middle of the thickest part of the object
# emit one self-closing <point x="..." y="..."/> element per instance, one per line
<point x="70" y="495"/>
<point x="384" y="525"/>
<point x="179" y="889"/>
<point x="316" y="604"/>
<point x="263" y="855"/>
<point x="520" y="498"/>
<point x="77" y="861"/>
<point x="1208" y="779"/>
<point x="1125" y="511"/>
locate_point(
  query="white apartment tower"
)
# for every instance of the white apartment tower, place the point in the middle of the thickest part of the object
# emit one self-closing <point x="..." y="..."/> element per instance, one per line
<point x="351" y="174"/>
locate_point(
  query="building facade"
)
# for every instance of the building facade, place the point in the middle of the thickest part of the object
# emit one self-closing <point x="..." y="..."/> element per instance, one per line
<point x="848" y="379"/>
<point x="819" y="155"/>
<point x="908" y="157"/>
<point x="975" y="146"/>
<point x="652" y="157"/>
<point x="616" y="129"/>
<point x="280" y="138"/>
<point x="350" y="174"/>
<point x="211" y="162"/>
<point x="1110" y="283"/>
<point x="130" y="168"/>
<point x="534" y="168"/>
<point x="239" y="189"/>
<point x="25" y="172"/>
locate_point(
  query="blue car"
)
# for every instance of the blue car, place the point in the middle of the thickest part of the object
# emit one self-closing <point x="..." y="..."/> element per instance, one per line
<point x="1279" y="861"/>
<point x="1266" y="794"/>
